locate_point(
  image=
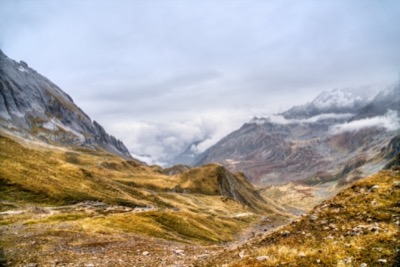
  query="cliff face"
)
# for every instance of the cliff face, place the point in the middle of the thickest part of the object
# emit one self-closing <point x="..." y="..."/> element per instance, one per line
<point x="33" y="107"/>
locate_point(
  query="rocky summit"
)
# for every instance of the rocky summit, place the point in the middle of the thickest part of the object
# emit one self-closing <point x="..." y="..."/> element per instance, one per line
<point x="33" y="107"/>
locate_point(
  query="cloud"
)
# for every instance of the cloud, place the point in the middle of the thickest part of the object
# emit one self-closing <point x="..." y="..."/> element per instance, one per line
<point x="279" y="119"/>
<point x="157" y="142"/>
<point x="148" y="71"/>
<point x="390" y="121"/>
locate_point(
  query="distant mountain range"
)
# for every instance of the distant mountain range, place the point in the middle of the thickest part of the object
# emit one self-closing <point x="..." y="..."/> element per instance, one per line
<point x="338" y="136"/>
<point x="33" y="107"/>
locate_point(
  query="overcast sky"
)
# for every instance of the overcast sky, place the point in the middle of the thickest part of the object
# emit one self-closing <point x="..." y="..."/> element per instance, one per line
<point x="162" y="74"/>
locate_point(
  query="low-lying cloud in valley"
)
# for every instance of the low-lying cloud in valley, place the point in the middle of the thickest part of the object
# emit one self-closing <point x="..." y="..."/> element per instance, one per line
<point x="158" y="142"/>
<point x="390" y="121"/>
<point x="279" y="119"/>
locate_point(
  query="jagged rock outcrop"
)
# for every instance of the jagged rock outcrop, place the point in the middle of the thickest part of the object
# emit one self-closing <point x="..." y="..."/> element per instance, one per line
<point x="33" y="107"/>
<point x="392" y="153"/>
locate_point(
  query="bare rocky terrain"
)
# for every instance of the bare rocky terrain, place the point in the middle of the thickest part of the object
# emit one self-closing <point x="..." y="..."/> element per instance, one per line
<point x="311" y="143"/>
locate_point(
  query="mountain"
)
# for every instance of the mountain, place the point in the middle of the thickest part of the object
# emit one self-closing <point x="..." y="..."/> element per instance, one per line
<point x="187" y="156"/>
<point x="33" y="107"/>
<point x="335" y="101"/>
<point x="388" y="99"/>
<point x="311" y="143"/>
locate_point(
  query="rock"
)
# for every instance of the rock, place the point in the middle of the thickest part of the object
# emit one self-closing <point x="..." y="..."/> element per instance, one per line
<point x="241" y="254"/>
<point x="262" y="258"/>
<point x="89" y="265"/>
<point x="374" y="188"/>
<point x="32" y="265"/>
<point x="382" y="260"/>
<point x="302" y="254"/>
<point x="348" y="260"/>
<point x="179" y="252"/>
<point x="318" y="261"/>
<point x="145" y="253"/>
<point x="285" y="233"/>
<point x="202" y="256"/>
<point x="314" y="217"/>
<point x="363" y="264"/>
<point x="332" y="225"/>
<point x="396" y="184"/>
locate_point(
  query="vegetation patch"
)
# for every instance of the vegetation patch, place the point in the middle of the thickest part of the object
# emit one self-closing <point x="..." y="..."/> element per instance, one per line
<point x="359" y="225"/>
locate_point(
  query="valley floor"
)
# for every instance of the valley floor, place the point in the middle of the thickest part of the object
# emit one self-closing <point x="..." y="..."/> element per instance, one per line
<point x="60" y="236"/>
<point x="358" y="227"/>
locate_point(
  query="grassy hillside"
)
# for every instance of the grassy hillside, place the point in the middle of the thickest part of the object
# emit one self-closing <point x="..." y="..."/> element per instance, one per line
<point x="358" y="226"/>
<point x="75" y="196"/>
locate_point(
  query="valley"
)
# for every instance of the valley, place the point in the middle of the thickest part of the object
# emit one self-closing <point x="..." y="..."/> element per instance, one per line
<point x="300" y="190"/>
<point x="59" y="203"/>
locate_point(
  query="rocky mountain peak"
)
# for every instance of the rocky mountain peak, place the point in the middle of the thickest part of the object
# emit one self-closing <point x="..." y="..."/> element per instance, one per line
<point x="33" y="107"/>
<point x="313" y="142"/>
<point x="338" y="101"/>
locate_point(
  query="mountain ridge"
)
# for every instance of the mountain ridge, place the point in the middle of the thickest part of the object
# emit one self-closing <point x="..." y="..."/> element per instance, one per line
<point x="309" y="145"/>
<point x="32" y="106"/>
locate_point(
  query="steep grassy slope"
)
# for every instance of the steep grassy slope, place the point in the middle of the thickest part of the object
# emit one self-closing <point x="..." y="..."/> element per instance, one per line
<point x="358" y="226"/>
<point x="63" y="176"/>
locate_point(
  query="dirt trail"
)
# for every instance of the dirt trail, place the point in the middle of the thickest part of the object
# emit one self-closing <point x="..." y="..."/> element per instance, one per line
<point x="67" y="244"/>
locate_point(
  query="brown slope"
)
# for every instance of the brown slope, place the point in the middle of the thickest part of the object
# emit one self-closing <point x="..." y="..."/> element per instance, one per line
<point x="358" y="226"/>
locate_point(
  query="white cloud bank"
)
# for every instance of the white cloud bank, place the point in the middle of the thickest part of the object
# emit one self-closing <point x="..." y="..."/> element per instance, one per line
<point x="158" y="142"/>
<point x="279" y="119"/>
<point x="390" y="121"/>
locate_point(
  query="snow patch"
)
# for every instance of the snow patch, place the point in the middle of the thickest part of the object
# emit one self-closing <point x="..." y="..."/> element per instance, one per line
<point x="53" y="125"/>
<point x="22" y="69"/>
<point x="17" y="113"/>
<point x="336" y="98"/>
<point x="5" y="115"/>
<point x="50" y="125"/>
